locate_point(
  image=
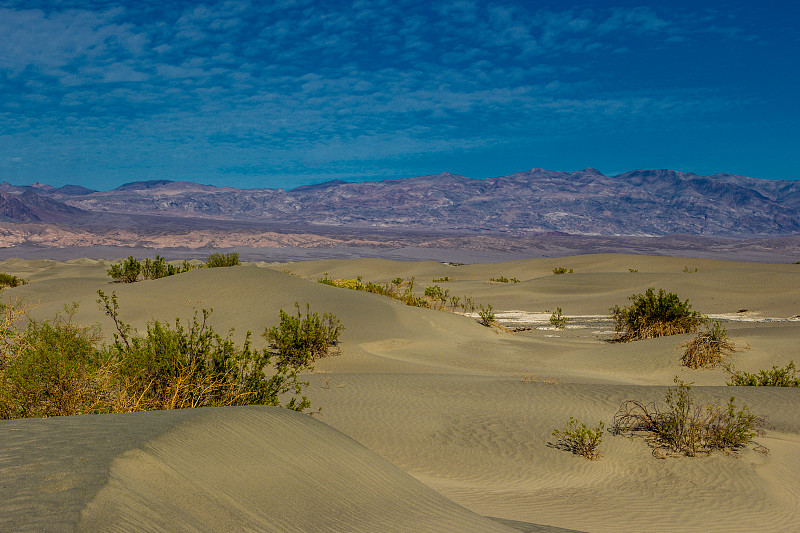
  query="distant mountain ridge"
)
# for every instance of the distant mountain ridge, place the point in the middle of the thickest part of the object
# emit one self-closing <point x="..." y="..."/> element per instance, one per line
<point x="586" y="202"/>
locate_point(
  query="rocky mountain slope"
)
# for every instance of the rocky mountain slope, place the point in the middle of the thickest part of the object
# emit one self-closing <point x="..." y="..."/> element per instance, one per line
<point x="640" y="202"/>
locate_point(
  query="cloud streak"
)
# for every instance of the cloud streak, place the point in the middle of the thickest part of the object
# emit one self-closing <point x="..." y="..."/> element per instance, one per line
<point x="336" y="82"/>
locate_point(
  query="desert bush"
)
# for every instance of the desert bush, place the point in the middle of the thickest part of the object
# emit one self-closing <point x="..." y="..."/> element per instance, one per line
<point x="126" y="271"/>
<point x="159" y="268"/>
<point x="486" y="315"/>
<point x="216" y="260"/>
<point x="580" y="439"/>
<point x="433" y="296"/>
<point x="454" y="302"/>
<point x="437" y="295"/>
<point x="440" y="280"/>
<point x="501" y="279"/>
<point x="129" y="270"/>
<point x="468" y="305"/>
<point x="54" y="372"/>
<point x="683" y="427"/>
<point x="325" y="280"/>
<point x="300" y="339"/>
<point x="777" y="377"/>
<point x="58" y="368"/>
<point x="174" y="367"/>
<point x="7" y="280"/>
<point x="708" y="347"/>
<point x="655" y="315"/>
<point x="352" y="284"/>
<point x="11" y="341"/>
<point x="559" y="270"/>
<point x="633" y="270"/>
<point x="558" y="320"/>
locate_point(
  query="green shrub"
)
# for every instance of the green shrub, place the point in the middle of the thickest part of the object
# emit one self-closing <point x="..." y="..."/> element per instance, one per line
<point x="558" y="320"/>
<point x="325" y="280"/>
<point x="486" y="315"/>
<point x="580" y="439"/>
<point x="173" y="367"/>
<point x="777" y="377"/>
<point x="126" y="271"/>
<point x="440" y="280"/>
<point x="53" y="371"/>
<point x="7" y="280"/>
<point x="216" y="260"/>
<point x="686" y="428"/>
<point x="129" y="270"/>
<point x="58" y="368"/>
<point x="708" y="347"/>
<point x="352" y="284"/>
<point x="501" y="279"/>
<point x="633" y="270"/>
<point x="559" y="270"/>
<point x="655" y="315"/>
<point x="299" y="340"/>
<point x="437" y="295"/>
<point x="454" y="302"/>
<point x="159" y="268"/>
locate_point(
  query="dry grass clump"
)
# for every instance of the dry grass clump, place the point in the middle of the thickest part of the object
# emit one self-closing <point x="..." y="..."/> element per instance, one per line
<point x="685" y="428"/>
<point x="707" y="349"/>
<point x="655" y="315"/>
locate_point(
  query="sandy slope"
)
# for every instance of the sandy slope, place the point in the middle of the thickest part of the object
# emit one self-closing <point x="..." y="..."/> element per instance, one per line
<point x="443" y="398"/>
<point x="247" y="469"/>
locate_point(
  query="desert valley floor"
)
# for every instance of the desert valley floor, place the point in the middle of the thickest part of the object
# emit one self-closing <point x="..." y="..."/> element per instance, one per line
<point x="426" y="420"/>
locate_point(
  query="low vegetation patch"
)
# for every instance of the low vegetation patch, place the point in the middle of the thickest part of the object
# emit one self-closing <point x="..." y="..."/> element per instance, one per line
<point x="503" y="279"/>
<point x="217" y="260"/>
<point x="580" y="439"/>
<point x="440" y="280"/>
<point x="300" y="338"/>
<point x="50" y="369"/>
<point x="562" y="270"/>
<point x="59" y="368"/>
<point x="685" y="428"/>
<point x="486" y="315"/>
<point x="131" y="269"/>
<point x="7" y="280"/>
<point x="558" y="320"/>
<point x="707" y="349"/>
<point x="655" y="315"/>
<point x="434" y="296"/>
<point x="776" y="377"/>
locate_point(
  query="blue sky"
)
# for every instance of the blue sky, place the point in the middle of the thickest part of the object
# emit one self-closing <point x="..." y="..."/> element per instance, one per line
<point x="280" y="94"/>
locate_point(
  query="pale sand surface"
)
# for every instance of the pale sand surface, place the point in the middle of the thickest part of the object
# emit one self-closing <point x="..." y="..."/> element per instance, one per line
<point x="431" y="394"/>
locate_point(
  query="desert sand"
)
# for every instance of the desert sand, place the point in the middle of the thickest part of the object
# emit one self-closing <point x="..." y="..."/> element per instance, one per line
<point x="426" y="420"/>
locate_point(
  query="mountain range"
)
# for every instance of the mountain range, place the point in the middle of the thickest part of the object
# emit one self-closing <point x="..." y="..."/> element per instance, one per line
<point x="587" y="202"/>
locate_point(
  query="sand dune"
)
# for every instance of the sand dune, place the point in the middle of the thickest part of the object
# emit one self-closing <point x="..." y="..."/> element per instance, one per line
<point x="466" y="411"/>
<point x="245" y="469"/>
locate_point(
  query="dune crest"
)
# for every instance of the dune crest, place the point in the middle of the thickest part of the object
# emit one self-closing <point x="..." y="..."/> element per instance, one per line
<point x="266" y="469"/>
